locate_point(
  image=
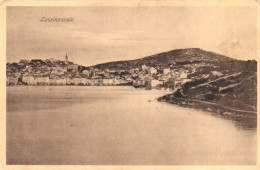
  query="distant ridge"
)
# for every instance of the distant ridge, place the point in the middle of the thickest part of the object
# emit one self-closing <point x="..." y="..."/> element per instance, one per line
<point x="173" y="57"/>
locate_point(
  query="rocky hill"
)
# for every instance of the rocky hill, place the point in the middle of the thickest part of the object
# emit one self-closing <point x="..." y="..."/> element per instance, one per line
<point x="175" y="57"/>
<point x="232" y="94"/>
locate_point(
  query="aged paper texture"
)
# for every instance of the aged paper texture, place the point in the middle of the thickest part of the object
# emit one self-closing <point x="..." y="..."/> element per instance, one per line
<point x="129" y="84"/>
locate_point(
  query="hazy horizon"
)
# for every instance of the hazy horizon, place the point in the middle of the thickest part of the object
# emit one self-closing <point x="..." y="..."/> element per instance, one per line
<point x="104" y="34"/>
<point x="63" y="59"/>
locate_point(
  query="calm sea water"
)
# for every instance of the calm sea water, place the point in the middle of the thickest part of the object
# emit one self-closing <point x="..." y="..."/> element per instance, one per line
<point x="117" y="126"/>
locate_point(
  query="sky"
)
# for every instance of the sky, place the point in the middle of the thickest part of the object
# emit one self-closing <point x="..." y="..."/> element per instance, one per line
<point x="103" y="34"/>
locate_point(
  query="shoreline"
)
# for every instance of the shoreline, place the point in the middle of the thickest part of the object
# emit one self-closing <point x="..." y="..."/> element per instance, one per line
<point x="122" y="85"/>
<point x="242" y="118"/>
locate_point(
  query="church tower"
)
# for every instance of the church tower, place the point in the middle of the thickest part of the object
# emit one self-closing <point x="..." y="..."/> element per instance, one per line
<point x="66" y="59"/>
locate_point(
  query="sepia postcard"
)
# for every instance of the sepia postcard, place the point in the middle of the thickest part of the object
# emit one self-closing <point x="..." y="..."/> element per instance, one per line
<point x="129" y="85"/>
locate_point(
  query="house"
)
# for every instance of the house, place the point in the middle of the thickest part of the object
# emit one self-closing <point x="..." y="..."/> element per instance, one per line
<point x="42" y="80"/>
<point x="58" y="70"/>
<point x="108" y="81"/>
<point x="77" y="81"/>
<point x="116" y="81"/>
<point x="155" y="83"/>
<point x="144" y="67"/>
<point x="121" y="81"/>
<point x="58" y="81"/>
<point x="166" y="71"/>
<point x="73" y="68"/>
<point x="29" y="80"/>
<point x="136" y="70"/>
<point x="216" y="73"/>
<point x="87" y="72"/>
<point x="132" y="71"/>
<point x="152" y="70"/>
<point x="53" y="81"/>
<point x="17" y="74"/>
<point x="91" y="82"/>
<point x="183" y="75"/>
<point x="12" y="80"/>
<point x="94" y="81"/>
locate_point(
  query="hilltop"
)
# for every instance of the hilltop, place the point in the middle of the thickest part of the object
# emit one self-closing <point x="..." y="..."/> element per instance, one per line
<point x="166" y="59"/>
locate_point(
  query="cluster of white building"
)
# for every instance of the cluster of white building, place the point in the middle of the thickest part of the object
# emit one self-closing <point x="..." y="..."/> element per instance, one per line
<point x="168" y="79"/>
<point x="144" y="77"/>
<point x="55" y="72"/>
<point x="29" y="80"/>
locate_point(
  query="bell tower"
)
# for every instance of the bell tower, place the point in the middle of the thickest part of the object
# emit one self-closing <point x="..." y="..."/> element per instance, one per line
<point x="66" y="59"/>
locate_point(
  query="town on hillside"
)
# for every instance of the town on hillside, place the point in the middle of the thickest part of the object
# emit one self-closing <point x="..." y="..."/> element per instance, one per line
<point x="56" y="72"/>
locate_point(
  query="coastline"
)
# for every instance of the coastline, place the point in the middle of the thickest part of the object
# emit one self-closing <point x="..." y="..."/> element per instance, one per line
<point x="242" y="118"/>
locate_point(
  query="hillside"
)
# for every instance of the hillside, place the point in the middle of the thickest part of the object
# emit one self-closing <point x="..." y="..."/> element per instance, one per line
<point x="174" y="57"/>
<point x="232" y="96"/>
